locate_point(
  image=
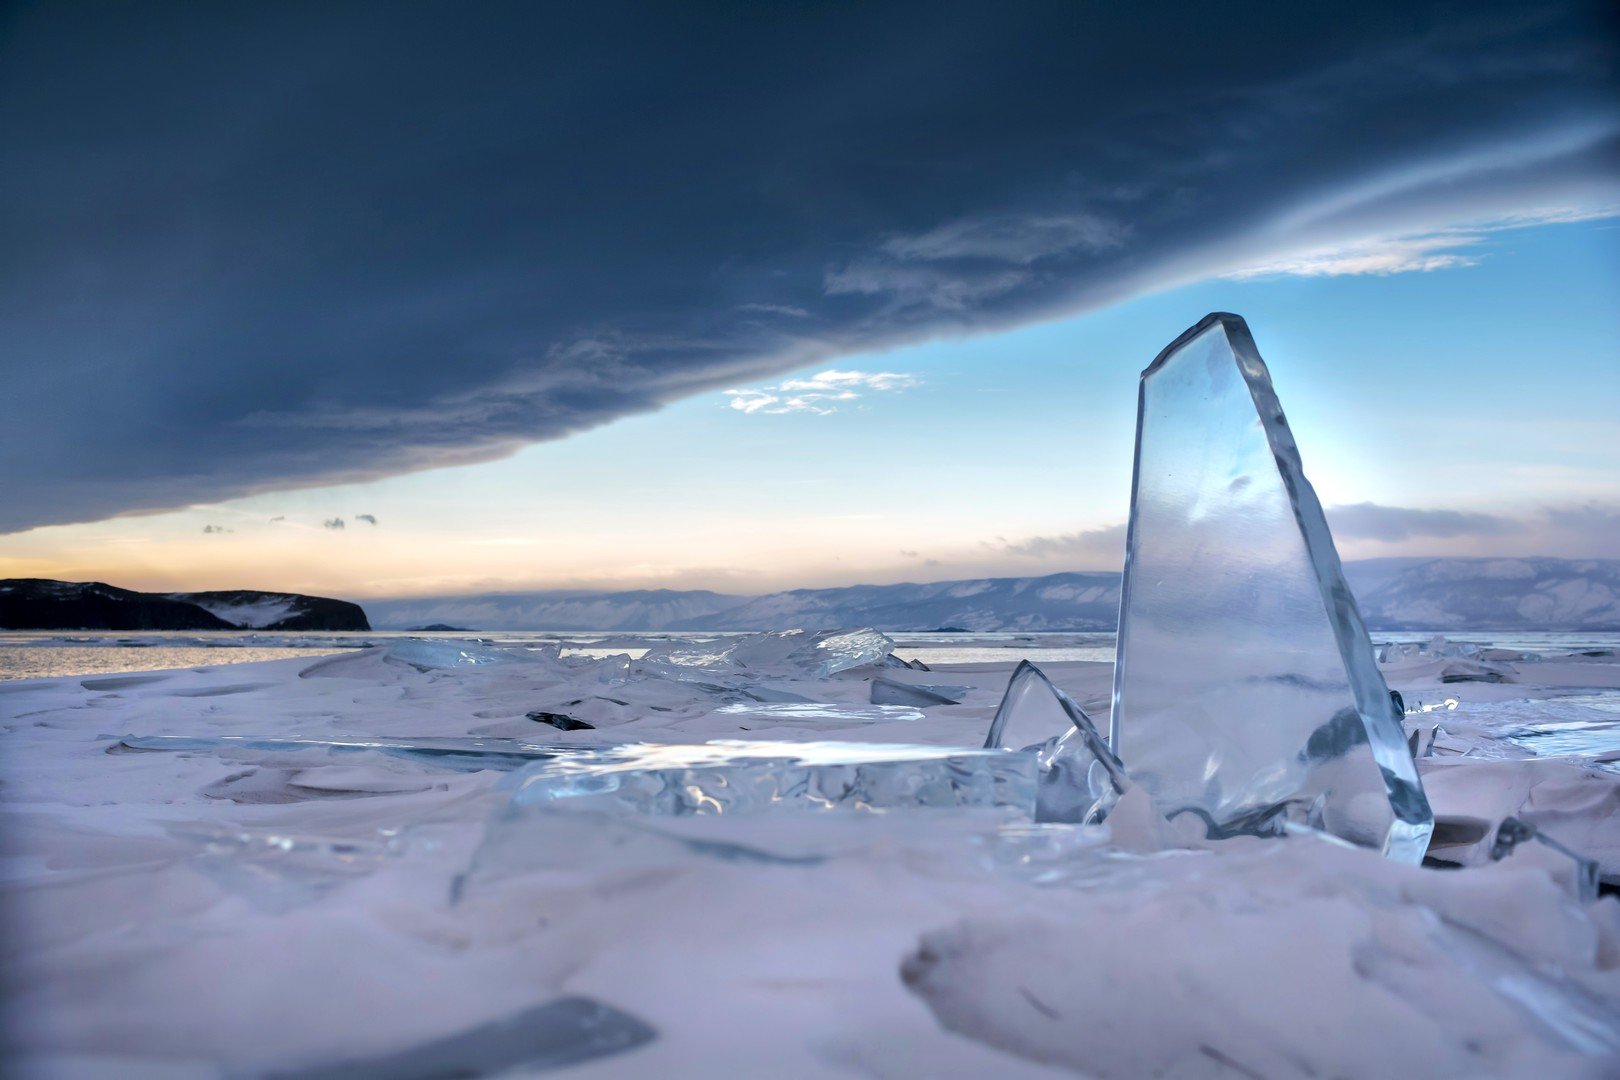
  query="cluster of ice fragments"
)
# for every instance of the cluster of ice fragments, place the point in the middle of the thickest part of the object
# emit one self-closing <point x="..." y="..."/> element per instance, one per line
<point x="1246" y="698"/>
<point x="1246" y="702"/>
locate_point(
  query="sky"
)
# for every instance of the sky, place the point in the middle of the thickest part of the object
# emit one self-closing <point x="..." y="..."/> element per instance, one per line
<point x="446" y="299"/>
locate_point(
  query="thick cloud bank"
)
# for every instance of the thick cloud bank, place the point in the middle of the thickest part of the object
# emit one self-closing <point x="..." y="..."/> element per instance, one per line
<point x="249" y="248"/>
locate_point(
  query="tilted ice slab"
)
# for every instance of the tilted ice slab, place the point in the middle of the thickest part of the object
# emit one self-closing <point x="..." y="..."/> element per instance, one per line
<point x="889" y="692"/>
<point x="736" y="777"/>
<point x="1245" y="689"/>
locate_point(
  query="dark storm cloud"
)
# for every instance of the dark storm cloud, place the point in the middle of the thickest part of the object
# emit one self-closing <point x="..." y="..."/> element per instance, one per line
<point x="253" y="247"/>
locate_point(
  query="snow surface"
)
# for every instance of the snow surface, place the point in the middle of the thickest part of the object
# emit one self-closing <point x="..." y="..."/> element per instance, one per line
<point x="247" y="912"/>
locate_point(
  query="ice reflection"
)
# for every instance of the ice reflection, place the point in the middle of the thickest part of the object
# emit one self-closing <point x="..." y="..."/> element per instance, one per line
<point x="732" y="776"/>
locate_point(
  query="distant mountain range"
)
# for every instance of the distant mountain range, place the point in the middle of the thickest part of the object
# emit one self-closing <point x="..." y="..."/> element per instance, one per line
<point x="43" y="604"/>
<point x="1493" y="594"/>
<point x="1395" y="594"/>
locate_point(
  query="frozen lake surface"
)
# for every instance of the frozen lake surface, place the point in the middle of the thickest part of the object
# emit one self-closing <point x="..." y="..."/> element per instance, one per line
<point x="487" y="856"/>
<point x="35" y="654"/>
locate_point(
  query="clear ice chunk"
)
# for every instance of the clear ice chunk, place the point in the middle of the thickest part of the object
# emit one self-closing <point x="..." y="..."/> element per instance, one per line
<point x="817" y="654"/>
<point x="890" y="692"/>
<point x="426" y="654"/>
<point x="1245" y="688"/>
<point x="686" y="655"/>
<point x="567" y="1031"/>
<point x="735" y="777"/>
<point x="460" y="754"/>
<point x="787" y="653"/>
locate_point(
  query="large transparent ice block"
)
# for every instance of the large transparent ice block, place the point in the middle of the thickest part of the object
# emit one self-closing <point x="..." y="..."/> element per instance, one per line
<point x="1245" y="689"/>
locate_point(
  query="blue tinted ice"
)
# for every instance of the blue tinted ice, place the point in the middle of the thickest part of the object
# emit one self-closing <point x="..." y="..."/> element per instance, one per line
<point x="1245" y="689"/>
<point x="732" y="777"/>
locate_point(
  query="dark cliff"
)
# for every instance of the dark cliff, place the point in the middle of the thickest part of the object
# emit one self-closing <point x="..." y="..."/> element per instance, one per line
<point x="42" y="604"/>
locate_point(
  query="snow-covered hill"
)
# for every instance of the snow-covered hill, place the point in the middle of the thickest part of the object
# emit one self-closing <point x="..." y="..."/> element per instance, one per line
<point x="45" y="604"/>
<point x="249" y="609"/>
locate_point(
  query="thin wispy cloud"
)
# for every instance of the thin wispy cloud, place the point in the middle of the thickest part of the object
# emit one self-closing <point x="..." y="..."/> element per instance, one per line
<point x="1448" y="249"/>
<point x="844" y="381"/>
<point x="1021" y="239"/>
<point x="820" y="393"/>
<point x="1395" y="255"/>
<point x="903" y="286"/>
<point x="213" y="529"/>
<point x="776" y="309"/>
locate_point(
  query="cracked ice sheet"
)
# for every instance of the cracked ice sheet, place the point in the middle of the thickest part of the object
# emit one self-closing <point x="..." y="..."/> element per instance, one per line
<point x="224" y="953"/>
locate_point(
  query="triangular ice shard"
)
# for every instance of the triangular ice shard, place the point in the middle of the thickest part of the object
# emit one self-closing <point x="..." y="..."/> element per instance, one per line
<point x="1077" y="773"/>
<point x="1245" y="689"/>
<point x="1032" y="711"/>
